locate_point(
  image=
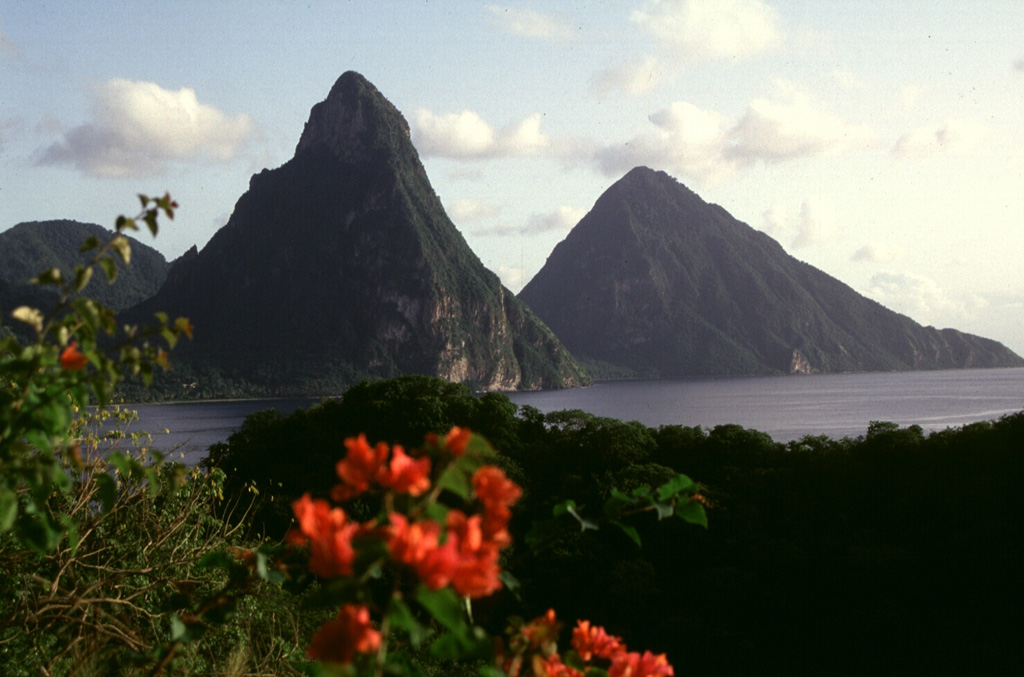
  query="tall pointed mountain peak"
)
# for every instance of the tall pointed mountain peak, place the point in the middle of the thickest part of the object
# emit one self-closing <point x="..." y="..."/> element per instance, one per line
<point x="354" y="122"/>
<point x="655" y="281"/>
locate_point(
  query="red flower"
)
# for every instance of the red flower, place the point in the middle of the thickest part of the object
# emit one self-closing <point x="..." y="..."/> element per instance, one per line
<point x="633" y="664"/>
<point x="405" y="474"/>
<point x="329" y="534"/>
<point x="338" y="640"/>
<point x="359" y="468"/>
<point x="592" y="641"/>
<point x="477" y="572"/>
<point x="497" y="493"/>
<point x="457" y="440"/>
<point x="72" y="359"/>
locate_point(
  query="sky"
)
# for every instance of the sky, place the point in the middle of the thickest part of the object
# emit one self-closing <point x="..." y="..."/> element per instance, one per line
<point x="882" y="142"/>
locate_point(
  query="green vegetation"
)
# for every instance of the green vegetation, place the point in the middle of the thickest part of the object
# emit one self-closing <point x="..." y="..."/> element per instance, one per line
<point x="906" y="543"/>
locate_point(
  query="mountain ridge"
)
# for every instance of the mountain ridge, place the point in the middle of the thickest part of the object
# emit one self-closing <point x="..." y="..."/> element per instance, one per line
<point x="655" y="281"/>
<point x="342" y="261"/>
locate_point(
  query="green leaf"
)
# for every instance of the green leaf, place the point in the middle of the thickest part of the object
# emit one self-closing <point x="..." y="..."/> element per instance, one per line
<point x="123" y="248"/>
<point x="51" y="276"/>
<point x="402" y="619"/>
<point x="8" y="509"/>
<point x="680" y="484"/>
<point x="629" y="531"/>
<point x="693" y="512"/>
<point x="664" y="509"/>
<point x="91" y="242"/>
<point x="444" y="605"/>
<point x="109" y="267"/>
<point x="456" y="480"/>
<point x="82" y="277"/>
<point x="106" y="491"/>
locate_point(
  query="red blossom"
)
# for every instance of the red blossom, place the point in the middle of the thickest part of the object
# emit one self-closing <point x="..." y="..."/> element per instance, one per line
<point x="329" y="534"/>
<point x="359" y="468"/>
<point x="72" y="358"/>
<point x="457" y="440"/>
<point x="592" y="641"/>
<point x="340" y="639"/>
<point x="405" y="474"/>
<point x="634" y="664"/>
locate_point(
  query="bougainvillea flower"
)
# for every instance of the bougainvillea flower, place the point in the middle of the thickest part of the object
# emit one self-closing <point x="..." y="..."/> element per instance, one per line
<point x="329" y="534"/>
<point x="340" y="639"/>
<point x="417" y="544"/>
<point x="498" y="494"/>
<point x="457" y="440"/>
<point x="359" y="468"/>
<point x="72" y="358"/>
<point x="406" y="475"/>
<point x="592" y="641"/>
<point x="477" y="572"/>
<point x="552" y="666"/>
<point x="633" y="664"/>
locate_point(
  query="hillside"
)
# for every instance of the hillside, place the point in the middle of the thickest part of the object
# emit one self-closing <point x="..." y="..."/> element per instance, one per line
<point x="342" y="264"/>
<point x="656" y="282"/>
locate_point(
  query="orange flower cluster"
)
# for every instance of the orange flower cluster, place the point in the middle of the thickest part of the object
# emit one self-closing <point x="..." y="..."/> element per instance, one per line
<point x="350" y="632"/>
<point x="72" y="358"/>
<point x="535" y="652"/>
<point x="462" y="552"/>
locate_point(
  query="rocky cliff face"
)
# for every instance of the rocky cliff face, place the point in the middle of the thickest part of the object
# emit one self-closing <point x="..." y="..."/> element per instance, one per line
<point x="342" y="264"/>
<point x="658" y="282"/>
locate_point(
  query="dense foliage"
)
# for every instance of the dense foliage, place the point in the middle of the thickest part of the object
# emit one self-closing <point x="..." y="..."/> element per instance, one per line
<point x="28" y="248"/>
<point x="906" y="543"/>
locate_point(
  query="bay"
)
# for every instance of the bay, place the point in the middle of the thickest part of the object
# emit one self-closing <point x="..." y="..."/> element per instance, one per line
<point x="785" y="407"/>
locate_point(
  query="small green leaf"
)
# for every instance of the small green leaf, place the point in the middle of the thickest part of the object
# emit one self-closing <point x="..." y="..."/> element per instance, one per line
<point x="457" y="481"/>
<point x="663" y="509"/>
<point x="680" y="484"/>
<point x="109" y="267"/>
<point x="82" y="277"/>
<point x="123" y="248"/>
<point x="402" y="619"/>
<point x="91" y="242"/>
<point x="8" y="509"/>
<point x="584" y="523"/>
<point x="629" y="531"/>
<point x="693" y="512"/>
<point x="106" y="491"/>
<point x="444" y="605"/>
<point x="51" y="276"/>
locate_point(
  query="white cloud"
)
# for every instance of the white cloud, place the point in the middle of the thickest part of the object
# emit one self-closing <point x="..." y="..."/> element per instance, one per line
<point x="923" y="299"/>
<point x="468" y="209"/>
<point x="771" y="132"/>
<point x="877" y="253"/>
<point x="466" y="135"/>
<point x="138" y="127"/>
<point x="815" y="224"/>
<point x="633" y="78"/>
<point x="687" y="140"/>
<point x="703" y="145"/>
<point x="711" y="29"/>
<point x="1019" y="65"/>
<point x="513" y="277"/>
<point x="910" y="95"/>
<point x="530" y="23"/>
<point x="953" y="136"/>
<point x="562" y="218"/>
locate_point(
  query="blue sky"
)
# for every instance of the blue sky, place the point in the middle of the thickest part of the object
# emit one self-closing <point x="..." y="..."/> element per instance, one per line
<point x="881" y="142"/>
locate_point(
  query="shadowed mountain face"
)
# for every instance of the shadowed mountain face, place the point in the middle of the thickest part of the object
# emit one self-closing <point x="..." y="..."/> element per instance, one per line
<point x="654" y="281"/>
<point x="342" y="264"/>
